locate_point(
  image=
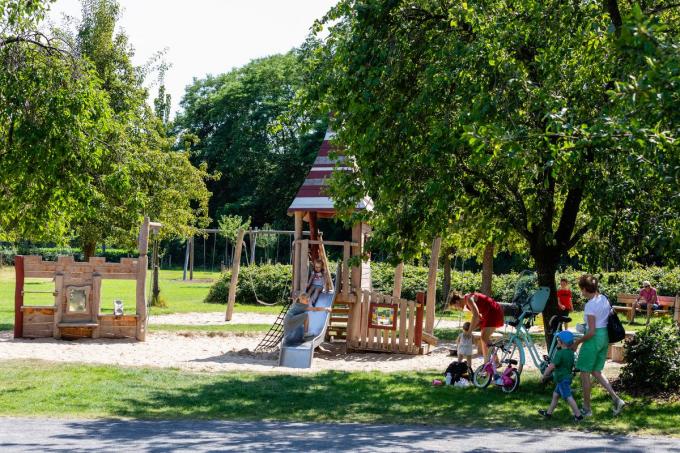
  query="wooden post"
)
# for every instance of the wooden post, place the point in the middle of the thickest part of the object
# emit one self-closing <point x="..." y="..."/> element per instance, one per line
<point x="59" y="295"/>
<point x="19" y="297"/>
<point x="143" y="263"/>
<point x="96" y="302"/>
<point x="253" y="244"/>
<point x="234" y="275"/>
<point x="418" y="336"/>
<point x="398" y="278"/>
<point x="186" y="259"/>
<point x="297" y="235"/>
<point x="345" y="271"/>
<point x="303" y="271"/>
<point x="313" y="234"/>
<point x="357" y="250"/>
<point x="191" y="259"/>
<point x="432" y="286"/>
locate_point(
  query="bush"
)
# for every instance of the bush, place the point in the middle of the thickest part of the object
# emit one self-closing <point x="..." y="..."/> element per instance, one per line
<point x="272" y="282"/>
<point x="653" y="359"/>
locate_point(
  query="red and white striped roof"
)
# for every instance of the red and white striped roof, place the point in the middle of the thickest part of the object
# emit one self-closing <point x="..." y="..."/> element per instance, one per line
<point x="311" y="196"/>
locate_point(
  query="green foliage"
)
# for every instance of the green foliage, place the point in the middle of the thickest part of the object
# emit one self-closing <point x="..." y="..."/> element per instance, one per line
<point x="459" y="113"/>
<point x="271" y="282"/>
<point x="230" y="224"/>
<point x="240" y="124"/>
<point x="653" y="359"/>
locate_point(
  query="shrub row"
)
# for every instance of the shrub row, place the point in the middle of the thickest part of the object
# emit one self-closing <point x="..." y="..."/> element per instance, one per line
<point x="8" y="253"/>
<point x="271" y="282"/>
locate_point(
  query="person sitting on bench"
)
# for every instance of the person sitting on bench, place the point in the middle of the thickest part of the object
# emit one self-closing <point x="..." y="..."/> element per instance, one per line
<point x="651" y="302"/>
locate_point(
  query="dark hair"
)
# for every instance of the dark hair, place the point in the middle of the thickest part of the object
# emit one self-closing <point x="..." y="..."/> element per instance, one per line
<point x="564" y="280"/>
<point x="588" y="282"/>
<point x="455" y="297"/>
<point x="466" y="325"/>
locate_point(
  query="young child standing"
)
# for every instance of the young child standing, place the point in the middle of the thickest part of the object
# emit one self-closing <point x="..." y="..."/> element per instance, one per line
<point x="465" y="344"/>
<point x="564" y="299"/>
<point x="561" y="369"/>
<point x="317" y="281"/>
<point x="296" y="322"/>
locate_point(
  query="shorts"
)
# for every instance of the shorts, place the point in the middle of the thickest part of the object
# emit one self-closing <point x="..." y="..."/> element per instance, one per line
<point x="493" y="318"/>
<point x="593" y="353"/>
<point x="315" y="286"/>
<point x="654" y="307"/>
<point x="563" y="388"/>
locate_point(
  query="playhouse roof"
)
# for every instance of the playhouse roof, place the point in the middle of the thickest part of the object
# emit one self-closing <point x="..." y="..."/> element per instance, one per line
<point x="311" y="197"/>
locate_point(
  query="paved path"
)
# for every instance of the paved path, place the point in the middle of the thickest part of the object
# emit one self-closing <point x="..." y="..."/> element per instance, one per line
<point x="49" y="435"/>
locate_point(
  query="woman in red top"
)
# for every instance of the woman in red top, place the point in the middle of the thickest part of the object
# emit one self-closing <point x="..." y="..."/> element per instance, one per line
<point x="486" y="314"/>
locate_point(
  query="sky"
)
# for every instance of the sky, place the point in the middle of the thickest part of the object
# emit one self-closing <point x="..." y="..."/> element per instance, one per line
<point x="208" y="36"/>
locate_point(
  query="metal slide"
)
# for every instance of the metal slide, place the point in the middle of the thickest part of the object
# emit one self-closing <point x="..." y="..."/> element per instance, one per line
<point x="300" y="356"/>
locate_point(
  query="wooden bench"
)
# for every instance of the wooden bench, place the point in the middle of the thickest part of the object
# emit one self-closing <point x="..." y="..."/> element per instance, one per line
<point x="624" y="304"/>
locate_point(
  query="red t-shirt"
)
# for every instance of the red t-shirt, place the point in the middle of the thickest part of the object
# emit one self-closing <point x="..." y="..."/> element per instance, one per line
<point x="489" y="310"/>
<point x="564" y="296"/>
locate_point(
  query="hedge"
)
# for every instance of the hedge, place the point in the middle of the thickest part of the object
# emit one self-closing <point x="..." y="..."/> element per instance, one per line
<point x="272" y="282"/>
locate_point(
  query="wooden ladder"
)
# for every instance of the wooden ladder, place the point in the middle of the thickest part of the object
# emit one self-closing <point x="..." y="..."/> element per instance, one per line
<point x="337" y="326"/>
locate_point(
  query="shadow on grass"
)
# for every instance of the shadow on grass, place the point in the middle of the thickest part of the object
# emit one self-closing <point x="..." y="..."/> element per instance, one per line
<point x="457" y="415"/>
<point x="6" y="326"/>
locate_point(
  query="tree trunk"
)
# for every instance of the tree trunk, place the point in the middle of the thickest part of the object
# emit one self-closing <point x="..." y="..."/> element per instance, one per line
<point x="546" y="267"/>
<point x="89" y="248"/>
<point x="487" y="269"/>
<point x="447" y="276"/>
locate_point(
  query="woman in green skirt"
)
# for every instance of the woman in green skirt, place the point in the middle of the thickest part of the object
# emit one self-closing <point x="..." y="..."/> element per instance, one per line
<point x="594" y="344"/>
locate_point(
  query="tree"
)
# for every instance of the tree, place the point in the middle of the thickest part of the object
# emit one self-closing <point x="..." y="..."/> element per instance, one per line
<point x="511" y="113"/>
<point x="144" y="177"/>
<point x="54" y="121"/>
<point x="239" y="124"/>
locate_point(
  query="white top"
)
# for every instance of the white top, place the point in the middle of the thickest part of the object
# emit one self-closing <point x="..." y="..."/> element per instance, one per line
<point x="599" y="307"/>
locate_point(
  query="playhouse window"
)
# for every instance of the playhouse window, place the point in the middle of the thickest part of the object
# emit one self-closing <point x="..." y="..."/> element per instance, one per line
<point x="77" y="300"/>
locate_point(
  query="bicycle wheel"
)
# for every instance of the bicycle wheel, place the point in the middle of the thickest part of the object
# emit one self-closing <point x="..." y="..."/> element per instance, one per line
<point x="514" y="375"/>
<point x="481" y="377"/>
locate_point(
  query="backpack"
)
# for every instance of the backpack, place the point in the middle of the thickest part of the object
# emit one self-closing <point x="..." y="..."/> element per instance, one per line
<point x="457" y="370"/>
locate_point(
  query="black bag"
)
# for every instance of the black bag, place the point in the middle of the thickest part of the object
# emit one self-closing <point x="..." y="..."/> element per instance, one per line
<point x="615" y="329"/>
<point x="457" y="370"/>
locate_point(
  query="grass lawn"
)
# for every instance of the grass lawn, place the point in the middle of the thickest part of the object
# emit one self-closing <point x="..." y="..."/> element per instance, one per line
<point x="181" y="296"/>
<point x="29" y="388"/>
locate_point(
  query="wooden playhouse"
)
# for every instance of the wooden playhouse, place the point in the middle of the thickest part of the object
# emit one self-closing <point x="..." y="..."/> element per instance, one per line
<point x="76" y="312"/>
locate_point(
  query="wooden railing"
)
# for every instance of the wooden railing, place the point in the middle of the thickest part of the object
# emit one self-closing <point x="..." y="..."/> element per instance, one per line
<point x="403" y="335"/>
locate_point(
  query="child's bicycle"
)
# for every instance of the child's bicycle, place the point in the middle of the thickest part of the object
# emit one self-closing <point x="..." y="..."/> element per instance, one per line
<point x="526" y="306"/>
<point x="508" y="380"/>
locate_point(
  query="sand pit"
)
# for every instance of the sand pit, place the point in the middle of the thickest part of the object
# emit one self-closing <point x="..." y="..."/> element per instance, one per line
<point x="214" y="353"/>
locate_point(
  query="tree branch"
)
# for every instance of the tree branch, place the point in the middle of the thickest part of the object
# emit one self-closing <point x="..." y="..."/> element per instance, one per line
<point x="577" y="237"/>
<point x="662" y="8"/>
<point x="614" y="13"/>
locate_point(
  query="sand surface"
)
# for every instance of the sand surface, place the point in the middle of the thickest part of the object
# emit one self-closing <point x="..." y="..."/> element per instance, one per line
<point x="214" y="353"/>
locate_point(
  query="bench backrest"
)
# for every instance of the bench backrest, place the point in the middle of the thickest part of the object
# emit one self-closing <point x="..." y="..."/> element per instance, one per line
<point x="629" y="299"/>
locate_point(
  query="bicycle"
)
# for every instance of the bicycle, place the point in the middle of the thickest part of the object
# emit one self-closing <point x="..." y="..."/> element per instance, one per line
<point x="508" y="380"/>
<point x="524" y="309"/>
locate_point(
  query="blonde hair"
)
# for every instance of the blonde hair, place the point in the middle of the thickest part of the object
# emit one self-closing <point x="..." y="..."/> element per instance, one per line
<point x="303" y="296"/>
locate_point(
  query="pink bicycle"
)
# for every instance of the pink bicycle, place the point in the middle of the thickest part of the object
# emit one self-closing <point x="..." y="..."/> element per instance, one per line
<point x="508" y="380"/>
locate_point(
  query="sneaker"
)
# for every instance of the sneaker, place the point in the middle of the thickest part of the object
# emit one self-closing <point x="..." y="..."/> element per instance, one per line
<point x="585" y="413"/>
<point x="618" y="406"/>
<point x="544" y="413"/>
<point x="578" y="418"/>
<point x="308" y="336"/>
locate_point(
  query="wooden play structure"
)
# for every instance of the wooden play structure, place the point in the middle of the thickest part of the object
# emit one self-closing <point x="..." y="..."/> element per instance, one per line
<point x="365" y="319"/>
<point x="77" y="296"/>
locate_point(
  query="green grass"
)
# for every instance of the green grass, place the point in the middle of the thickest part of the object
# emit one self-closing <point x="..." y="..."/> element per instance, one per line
<point x="31" y="388"/>
<point x="181" y="296"/>
<point x="222" y="328"/>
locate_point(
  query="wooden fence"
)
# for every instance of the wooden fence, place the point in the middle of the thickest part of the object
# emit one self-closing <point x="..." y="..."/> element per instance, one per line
<point x="384" y="323"/>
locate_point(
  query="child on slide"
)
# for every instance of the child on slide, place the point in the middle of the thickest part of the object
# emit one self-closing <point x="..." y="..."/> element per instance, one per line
<point x="561" y="370"/>
<point x="296" y="322"/>
<point x="316" y="281"/>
